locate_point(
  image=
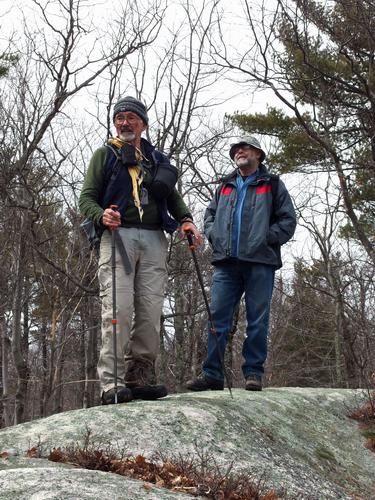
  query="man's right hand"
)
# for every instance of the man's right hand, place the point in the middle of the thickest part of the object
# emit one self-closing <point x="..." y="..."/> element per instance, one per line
<point x="111" y="219"/>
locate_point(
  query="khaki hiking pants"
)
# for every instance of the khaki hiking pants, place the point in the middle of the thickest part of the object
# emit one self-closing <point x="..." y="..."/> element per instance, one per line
<point x="139" y="301"/>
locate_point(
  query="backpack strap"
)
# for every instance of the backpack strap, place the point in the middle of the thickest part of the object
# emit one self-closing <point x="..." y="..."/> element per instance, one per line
<point x="123" y="253"/>
<point x="274" y="181"/>
<point x="111" y="166"/>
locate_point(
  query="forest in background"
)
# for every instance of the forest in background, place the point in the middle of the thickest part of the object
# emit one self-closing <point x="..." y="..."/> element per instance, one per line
<point x="60" y="75"/>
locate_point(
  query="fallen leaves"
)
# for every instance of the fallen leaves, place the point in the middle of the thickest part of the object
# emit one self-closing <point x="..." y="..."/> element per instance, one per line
<point x="365" y="415"/>
<point x="32" y="452"/>
<point x="184" y="475"/>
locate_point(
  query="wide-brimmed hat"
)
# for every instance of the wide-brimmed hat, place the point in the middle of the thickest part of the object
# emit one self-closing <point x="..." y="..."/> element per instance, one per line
<point x="247" y="140"/>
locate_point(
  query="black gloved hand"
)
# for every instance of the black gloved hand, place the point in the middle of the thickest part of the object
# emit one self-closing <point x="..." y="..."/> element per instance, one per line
<point x="128" y="155"/>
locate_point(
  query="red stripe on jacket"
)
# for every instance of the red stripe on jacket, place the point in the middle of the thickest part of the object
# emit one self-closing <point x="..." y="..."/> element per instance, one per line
<point x="226" y="190"/>
<point x="266" y="188"/>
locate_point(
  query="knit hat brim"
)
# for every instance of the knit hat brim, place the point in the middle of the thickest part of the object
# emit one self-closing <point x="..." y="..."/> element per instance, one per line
<point x="131" y="104"/>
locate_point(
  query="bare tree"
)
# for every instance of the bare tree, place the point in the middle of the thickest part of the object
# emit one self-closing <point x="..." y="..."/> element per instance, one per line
<point x="317" y="59"/>
<point x="183" y="93"/>
<point x="62" y="55"/>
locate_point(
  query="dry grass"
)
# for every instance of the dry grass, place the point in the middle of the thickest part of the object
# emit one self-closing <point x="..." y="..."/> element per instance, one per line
<point x="365" y="415"/>
<point x="196" y="475"/>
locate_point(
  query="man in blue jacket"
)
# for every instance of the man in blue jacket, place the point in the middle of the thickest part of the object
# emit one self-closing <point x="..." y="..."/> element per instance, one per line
<point x="247" y="221"/>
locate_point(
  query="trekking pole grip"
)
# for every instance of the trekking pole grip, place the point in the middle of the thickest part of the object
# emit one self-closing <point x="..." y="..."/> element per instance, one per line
<point x="189" y="236"/>
<point x="115" y="208"/>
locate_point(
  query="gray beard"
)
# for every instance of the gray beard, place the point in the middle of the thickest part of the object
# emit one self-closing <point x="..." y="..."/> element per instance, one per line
<point x="243" y="163"/>
<point x="127" y="136"/>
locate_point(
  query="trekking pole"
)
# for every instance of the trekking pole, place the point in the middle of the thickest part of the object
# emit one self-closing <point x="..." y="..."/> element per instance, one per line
<point x="114" y="305"/>
<point x="213" y="331"/>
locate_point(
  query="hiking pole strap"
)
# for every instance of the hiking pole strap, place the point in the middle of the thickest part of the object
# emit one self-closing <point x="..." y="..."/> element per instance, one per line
<point x="123" y="253"/>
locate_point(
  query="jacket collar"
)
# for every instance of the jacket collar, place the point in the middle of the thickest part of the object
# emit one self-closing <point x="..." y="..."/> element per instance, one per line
<point x="146" y="147"/>
<point x="231" y="178"/>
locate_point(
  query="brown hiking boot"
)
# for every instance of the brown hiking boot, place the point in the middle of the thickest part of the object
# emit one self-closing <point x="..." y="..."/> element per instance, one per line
<point x="253" y="383"/>
<point x="205" y="383"/>
<point x="141" y="379"/>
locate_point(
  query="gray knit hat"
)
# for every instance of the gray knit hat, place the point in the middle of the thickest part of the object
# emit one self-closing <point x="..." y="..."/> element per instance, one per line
<point x="131" y="104"/>
<point x="247" y="141"/>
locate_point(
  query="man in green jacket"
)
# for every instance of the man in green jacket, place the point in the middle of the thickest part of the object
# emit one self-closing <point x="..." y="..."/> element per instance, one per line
<point x="126" y="173"/>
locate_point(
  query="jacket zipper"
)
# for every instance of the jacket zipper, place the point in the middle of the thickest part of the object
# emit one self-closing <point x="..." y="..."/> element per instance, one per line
<point x="232" y="204"/>
<point x="230" y="225"/>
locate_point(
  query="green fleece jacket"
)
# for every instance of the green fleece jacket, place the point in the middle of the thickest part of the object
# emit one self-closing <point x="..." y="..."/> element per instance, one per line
<point x="92" y="187"/>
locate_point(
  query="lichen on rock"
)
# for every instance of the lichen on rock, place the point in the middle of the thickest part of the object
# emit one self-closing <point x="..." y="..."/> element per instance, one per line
<point x="295" y="439"/>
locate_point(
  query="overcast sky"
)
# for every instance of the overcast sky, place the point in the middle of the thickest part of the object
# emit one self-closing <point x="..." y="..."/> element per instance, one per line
<point x="241" y="98"/>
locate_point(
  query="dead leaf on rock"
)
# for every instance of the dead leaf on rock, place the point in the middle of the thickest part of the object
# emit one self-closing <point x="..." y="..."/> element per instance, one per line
<point x="32" y="453"/>
<point x="159" y="481"/>
<point x="140" y="460"/>
<point x="56" y="455"/>
<point x="4" y="454"/>
<point x="192" y="490"/>
<point x="177" y="480"/>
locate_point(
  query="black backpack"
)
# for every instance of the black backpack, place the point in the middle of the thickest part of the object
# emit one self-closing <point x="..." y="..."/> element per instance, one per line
<point x="92" y="231"/>
<point x="163" y="179"/>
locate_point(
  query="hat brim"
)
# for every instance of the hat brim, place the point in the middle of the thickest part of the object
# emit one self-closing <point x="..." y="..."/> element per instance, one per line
<point x="244" y="143"/>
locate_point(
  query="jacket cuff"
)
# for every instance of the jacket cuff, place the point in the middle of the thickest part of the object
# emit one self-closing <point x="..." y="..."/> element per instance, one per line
<point x="186" y="219"/>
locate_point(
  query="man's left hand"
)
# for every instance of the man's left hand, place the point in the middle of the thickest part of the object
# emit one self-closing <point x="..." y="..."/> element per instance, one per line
<point x="189" y="227"/>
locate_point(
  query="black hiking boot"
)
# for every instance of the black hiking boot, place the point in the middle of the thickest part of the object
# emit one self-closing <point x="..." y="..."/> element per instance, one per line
<point x="253" y="383"/>
<point x="149" y="392"/>
<point x="205" y="383"/>
<point x="141" y="380"/>
<point x="124" y="395"/>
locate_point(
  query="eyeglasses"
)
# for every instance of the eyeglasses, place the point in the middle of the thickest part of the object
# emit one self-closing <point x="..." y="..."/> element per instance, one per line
<point x="243" y="147"/>
<point x="129" y="118"/>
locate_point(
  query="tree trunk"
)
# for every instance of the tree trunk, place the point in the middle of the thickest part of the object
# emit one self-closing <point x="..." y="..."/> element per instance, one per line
<point x="50" y="384"/>
<point x="19" y="357"/>
<point x="93" y="325"/>
<point x="81" y="392"/>
<point x="229" y="358"/>
<point x="342" y="334"/>
<point x="58" y="374"/>
<point x="5" y="349"/>
<point x="44" y="383"/>
<point x="338" y="337"/>
<point x="179" y="327"/>
<point x="163" y="360"/>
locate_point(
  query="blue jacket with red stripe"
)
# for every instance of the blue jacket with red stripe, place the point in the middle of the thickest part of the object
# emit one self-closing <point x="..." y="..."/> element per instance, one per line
<point x="268" y="220"/>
